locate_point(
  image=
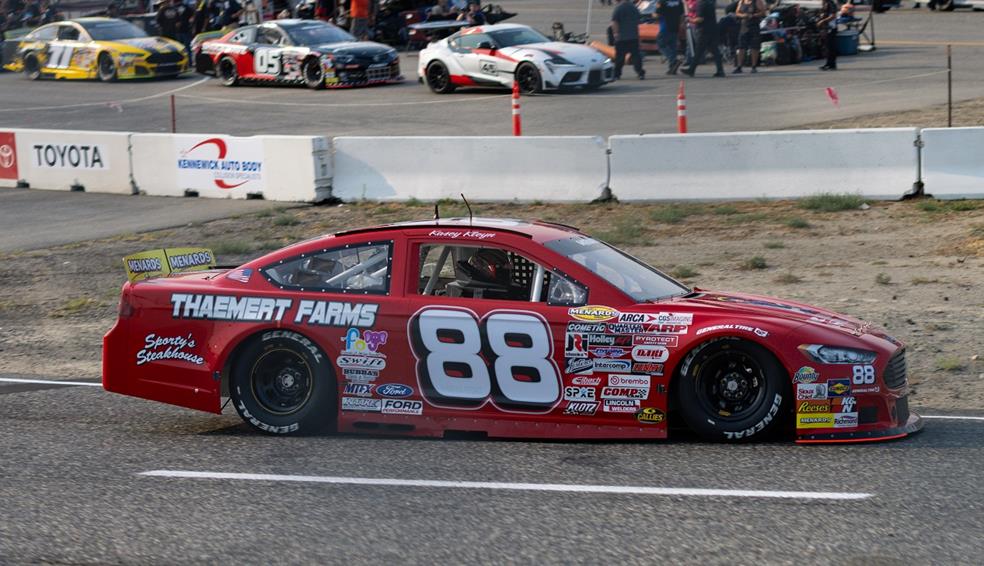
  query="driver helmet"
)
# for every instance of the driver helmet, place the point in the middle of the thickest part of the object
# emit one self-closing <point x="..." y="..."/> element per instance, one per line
<point x="492" y="266"/>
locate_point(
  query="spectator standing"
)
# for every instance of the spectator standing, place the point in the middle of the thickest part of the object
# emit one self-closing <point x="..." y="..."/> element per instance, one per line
<point x="251" y="14"/>
<point x="168" y="17"/>
<point x="473" y="15"/>
<point x="749" y="14"/>
<point x="359" y="13"/>
<point x="324" y="10"/>
<point x="113" y="9"/>
<point x="704" y="23"/>
<point x="625" y="32"/>
<point x="670" y="14"/>
<point x="48" y="13"/>
<point x="828" y="23"/>
<point x="442" y="11"/>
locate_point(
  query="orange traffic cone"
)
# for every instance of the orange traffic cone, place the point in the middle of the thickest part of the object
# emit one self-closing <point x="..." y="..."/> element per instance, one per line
<point x="681" y="110"/>
<point x="517" y="120"/>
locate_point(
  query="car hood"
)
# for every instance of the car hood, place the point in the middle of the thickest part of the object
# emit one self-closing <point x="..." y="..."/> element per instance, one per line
<point x="573" y="52"/>
<point x="149" y="44"/>
<point x="361" y="49"/>
<point x="756" y="305"/>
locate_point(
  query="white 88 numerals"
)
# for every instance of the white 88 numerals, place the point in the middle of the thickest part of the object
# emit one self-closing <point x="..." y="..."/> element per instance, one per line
<point x="506" y="357"/>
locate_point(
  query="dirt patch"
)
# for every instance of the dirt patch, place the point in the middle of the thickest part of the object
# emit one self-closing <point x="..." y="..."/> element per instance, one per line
<point x="966" y="113"/>
<point x="912" y="267"/>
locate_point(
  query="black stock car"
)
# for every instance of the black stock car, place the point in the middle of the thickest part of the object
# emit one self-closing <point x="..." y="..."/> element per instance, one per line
<point x="309" y="52"/>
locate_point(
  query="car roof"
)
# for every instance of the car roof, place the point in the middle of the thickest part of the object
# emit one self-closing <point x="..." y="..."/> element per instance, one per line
<point x="536" y="230"/>
<point x="498" y="27"/>
<point x="290" y="22"/>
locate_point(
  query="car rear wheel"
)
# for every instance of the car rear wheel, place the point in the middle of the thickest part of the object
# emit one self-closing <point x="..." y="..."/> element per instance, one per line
<point x="32" y="66"/>
<point x="529" y="79"/>
<point x="438" y="78"/>
<point x="731" y="390"/>
<point x="227" y="72"/>
<point x="106" y="68"/>
<point x="282" y="383"/>
<point x="314" y="74"/>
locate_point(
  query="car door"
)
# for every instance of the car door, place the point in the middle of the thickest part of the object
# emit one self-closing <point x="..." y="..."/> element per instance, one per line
<point x="498" y="354"/>
<point x="59" y="50"/>
<point x="473" y="54"/>
<point x="267" y="52"/>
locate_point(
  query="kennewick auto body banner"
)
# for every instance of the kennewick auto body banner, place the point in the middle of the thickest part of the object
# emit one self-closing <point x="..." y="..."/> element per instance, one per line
<point x="223" y="162"/>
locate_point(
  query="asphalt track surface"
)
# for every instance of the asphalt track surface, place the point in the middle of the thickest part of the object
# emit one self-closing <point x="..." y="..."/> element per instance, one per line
<point x="908" y="70"/>
<point x="68" y="217"/>
<point x="73" y="492"/>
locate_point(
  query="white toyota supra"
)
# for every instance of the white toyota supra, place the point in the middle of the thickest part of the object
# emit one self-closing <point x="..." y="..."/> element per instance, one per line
<point x="497" y="55"/>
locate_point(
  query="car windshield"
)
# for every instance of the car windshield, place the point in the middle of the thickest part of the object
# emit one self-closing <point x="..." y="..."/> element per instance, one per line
<point x="631" y="276"/>
<point x="112" y="30"/>
<point x="517" y="36"/>
<point x="317" y="34"/>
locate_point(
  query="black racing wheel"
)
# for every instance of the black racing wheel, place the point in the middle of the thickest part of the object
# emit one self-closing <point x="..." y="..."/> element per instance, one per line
<point x="32" y="66"/>
<point x="227" y="72"/>
<point x="106" y="68"/>
<point x="282" y="383"/>
<point x="438" y="78"/>
<point x="314" y="73"/>
<point x="732" y="390"/>
<point x="528" y="78"/>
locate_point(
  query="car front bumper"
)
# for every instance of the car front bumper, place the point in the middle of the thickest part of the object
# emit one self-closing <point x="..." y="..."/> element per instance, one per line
<point x="579" y="76"/>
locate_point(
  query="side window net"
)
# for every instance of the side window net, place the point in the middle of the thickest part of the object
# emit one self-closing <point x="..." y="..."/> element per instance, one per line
<point x="362" y="269"/>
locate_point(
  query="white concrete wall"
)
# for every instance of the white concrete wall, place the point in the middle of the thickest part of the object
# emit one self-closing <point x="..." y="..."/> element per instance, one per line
<point x="953" y="162"/>
<point x="876" y="163"/>
<point x="58" y="159"/>
<point x="483" y="168"/>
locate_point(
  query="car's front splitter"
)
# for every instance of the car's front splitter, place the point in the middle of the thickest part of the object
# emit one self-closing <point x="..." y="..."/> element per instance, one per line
<point x="912" y="425"/>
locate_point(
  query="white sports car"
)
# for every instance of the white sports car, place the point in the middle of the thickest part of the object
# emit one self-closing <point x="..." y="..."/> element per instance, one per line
<point x="497" y="55"/>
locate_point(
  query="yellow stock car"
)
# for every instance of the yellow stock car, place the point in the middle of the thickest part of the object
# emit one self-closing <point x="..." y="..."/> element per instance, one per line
<point x="96" y="48"/>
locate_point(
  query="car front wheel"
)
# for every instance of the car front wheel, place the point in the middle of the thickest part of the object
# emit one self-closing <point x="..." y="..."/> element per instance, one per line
<point x="438" y="78"/>
<point x="282" y="383"/>
<point x="529" y="79"/>
<point x="731" y="390"/>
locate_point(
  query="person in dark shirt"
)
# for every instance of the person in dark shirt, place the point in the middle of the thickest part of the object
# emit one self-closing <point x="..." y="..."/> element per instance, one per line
<point x="828" y="23"/>
<point x="167" y="19"/>
<point x="474" y="15"/>
<point x="704" y="23"/>
<point x="749" y="14"/>
<point x="625" y="32"/>
<point x="670" y="13"/>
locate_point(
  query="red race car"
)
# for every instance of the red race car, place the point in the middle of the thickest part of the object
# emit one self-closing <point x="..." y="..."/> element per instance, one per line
<point x="308" y="52"/>
<point x="497" y="327"/>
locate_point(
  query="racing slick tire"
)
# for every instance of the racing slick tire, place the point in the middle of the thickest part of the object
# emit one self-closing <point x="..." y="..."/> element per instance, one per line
<point x="732" y="390"/>
<point x="282" y="383"/>
<point x="439" y="78"/>
<point x="528" y="77"/>
<point x="226" y="71"/>
<point x="204" y="65"/>
<point x="106" y="68"/>
<point x="32" y="66"/>
<point x="314" y="73"/>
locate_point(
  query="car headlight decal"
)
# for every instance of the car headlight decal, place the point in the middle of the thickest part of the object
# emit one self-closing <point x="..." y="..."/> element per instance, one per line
<point x="824" y="354"/>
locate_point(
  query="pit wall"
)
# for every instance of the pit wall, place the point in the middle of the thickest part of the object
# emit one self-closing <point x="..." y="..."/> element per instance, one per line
<point x="885" y="163"/>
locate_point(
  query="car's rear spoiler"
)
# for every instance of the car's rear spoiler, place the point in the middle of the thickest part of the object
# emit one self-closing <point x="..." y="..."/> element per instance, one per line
<point x="159" y="263"/>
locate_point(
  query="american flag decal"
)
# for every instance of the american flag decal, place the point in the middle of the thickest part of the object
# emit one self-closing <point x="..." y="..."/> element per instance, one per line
<point x="241" y="275"/>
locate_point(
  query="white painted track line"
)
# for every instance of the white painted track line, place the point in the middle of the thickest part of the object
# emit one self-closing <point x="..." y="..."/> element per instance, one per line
<point x="570" y="488"/>
<point x="953" y="417"/>
<point x="49" y="382"/>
